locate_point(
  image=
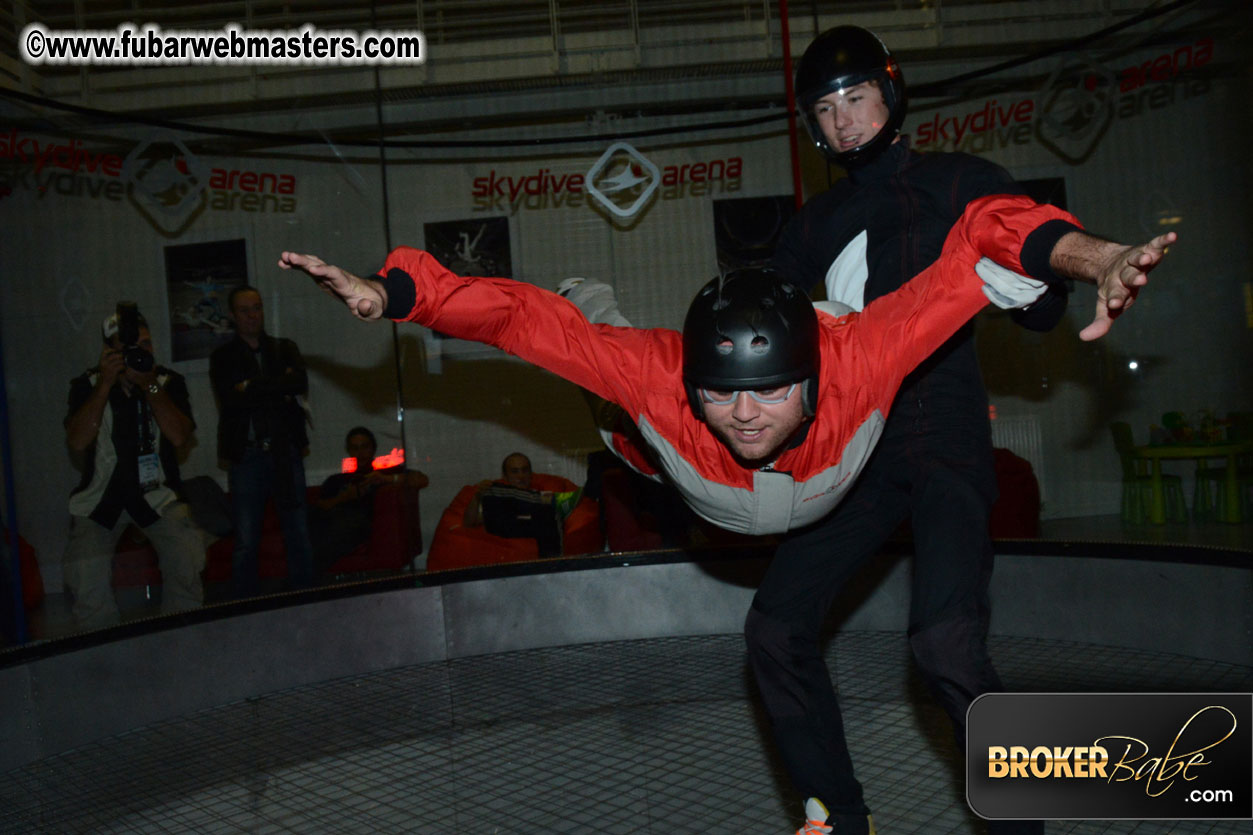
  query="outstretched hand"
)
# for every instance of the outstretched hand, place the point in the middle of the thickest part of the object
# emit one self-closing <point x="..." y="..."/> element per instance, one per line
<point x="365" y="297"/>
<point x="1126" y="272"/>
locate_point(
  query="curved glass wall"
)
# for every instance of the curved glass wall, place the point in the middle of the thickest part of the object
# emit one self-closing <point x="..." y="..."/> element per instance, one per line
<point x="169" y="186"/>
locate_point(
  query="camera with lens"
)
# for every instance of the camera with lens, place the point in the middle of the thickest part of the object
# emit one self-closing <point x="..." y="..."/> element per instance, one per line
<point x="128" y="324"/>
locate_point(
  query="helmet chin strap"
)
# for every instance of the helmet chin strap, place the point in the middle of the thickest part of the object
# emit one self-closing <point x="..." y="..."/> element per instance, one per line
<point x="863" y="155"/>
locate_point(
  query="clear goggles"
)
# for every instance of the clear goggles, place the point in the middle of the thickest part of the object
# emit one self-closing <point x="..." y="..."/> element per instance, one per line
<point x="770" y="396"/>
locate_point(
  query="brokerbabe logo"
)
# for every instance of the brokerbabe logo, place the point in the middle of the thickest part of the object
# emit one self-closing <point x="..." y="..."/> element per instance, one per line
<point x="1110" y="755"/>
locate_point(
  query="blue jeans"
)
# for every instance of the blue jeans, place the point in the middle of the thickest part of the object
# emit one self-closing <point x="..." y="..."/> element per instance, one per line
<point x="253" y="479"/>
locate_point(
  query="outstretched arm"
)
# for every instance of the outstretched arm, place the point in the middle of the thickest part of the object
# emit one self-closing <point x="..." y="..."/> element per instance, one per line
<point x="521" y="319"/>
<point x="1006" y="239"/>
<point x="365" y="297"/>
<point x="1119" y="272"/>
<point x="1061" y="249"/>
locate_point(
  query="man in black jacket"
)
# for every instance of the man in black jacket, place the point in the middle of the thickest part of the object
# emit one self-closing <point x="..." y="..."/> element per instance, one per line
<point x="261" y="439"/>
<point x="865" y="237"/>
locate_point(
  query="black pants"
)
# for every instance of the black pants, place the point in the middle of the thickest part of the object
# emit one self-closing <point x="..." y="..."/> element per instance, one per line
<point x="948" y="503"/>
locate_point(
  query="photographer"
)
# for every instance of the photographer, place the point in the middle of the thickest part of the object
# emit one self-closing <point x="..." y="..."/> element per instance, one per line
<point x="127" y="419"/>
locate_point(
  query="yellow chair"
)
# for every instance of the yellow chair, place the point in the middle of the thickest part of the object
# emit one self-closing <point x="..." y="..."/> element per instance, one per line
<point x="1210" y="499"/>
<point x="1137" y="483"/>
<point x="1241" y="429"/>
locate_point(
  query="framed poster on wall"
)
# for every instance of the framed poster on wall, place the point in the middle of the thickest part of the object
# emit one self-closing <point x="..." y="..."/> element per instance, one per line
<point x="471" y="247"/>
<point x="199" y="278"/>
<point x="478" y="247"/>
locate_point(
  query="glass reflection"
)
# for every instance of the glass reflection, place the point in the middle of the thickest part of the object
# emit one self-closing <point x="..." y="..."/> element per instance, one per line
<point x="99" y="208"/>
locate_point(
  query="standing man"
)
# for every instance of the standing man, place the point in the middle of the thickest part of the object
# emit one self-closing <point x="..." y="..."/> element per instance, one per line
<point x="865" y="237"/>
<point x="261" y="437"/>
<point x="128" y="417"/>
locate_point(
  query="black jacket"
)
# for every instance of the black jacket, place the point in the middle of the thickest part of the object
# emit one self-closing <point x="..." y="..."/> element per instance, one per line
<point x="276" y="376"/>
<point x="905" y="203"/>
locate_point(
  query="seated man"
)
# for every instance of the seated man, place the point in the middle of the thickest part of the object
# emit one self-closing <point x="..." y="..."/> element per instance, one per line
<point x="128" y="417"/>
<point x="512" y="508"/>
<point x="515" y="470"/>
<point x="340" y="519"/>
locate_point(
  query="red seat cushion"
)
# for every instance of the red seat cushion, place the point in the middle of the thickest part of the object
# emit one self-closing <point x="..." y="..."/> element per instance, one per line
<point x="456" y="546"/>
<point x="395" y="533"/>
<point x="1016" y="513"/>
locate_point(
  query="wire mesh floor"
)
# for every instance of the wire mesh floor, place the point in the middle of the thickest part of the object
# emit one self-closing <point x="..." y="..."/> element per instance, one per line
<point x="655" y="736"/>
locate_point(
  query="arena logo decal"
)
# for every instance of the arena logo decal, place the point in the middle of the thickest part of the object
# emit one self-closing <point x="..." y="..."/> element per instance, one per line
<point x="620" y="176"/>
<point x="166" y="182"/>
<point x="623" y="180"/>
<point x="1076" y="105"/>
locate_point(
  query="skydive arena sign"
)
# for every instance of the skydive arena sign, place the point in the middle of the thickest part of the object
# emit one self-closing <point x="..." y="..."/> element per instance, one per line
<point x="160" y="172"/>
<point x="544" y="188"/>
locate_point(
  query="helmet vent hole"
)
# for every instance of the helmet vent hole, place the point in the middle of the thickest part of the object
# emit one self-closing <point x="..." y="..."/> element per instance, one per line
<point x="725" y="347"/>
<point x="759" y="345"/>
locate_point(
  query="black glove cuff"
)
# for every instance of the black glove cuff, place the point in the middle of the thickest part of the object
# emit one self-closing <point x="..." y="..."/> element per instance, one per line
<point x="1039" y="248"/>
<point x="401" y="293"/>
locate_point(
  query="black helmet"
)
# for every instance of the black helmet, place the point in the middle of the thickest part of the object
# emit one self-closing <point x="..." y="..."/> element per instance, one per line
<point x="843" y="57"/>
<point x="749" y="329"/>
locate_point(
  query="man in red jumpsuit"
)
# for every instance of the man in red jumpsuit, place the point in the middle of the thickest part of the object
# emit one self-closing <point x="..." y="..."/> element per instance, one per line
<point x="763" y="411"/>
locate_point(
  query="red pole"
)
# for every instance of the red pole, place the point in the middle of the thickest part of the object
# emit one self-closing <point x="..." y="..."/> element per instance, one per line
<point x="797" y="191"/>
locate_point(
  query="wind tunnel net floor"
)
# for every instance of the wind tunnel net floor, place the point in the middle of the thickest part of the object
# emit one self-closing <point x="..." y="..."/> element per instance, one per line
<point x="652" y="736"/>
